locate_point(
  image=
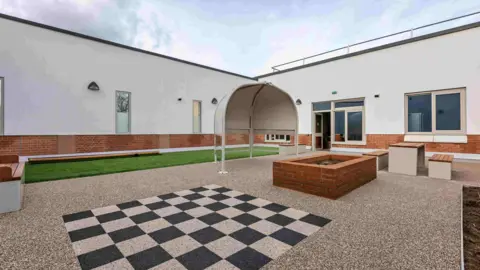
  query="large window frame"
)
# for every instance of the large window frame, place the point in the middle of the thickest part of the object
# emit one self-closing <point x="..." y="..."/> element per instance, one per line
<point x="129" y="112"/>
<point x="346" y="110"/>
<point x="434" y="94"/>
<point x="199" y="131"/>
<point x="2" y="105"/>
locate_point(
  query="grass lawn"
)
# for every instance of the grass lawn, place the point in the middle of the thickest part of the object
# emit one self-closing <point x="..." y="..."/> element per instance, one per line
<point x="62" y="170"/>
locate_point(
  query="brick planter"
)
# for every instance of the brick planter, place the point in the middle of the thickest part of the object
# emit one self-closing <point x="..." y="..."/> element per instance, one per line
<point x="330" y="181"/>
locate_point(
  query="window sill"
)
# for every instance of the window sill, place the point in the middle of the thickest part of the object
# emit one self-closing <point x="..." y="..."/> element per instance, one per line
<point x="436" y="138"/>
<point x="350" y="143"/>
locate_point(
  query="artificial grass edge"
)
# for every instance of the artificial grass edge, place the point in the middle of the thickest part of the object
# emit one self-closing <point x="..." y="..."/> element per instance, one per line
<point x="81" y="175"/>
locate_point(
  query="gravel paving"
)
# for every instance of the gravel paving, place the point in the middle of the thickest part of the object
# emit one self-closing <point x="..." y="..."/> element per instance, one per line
<point x="393" y="222"/>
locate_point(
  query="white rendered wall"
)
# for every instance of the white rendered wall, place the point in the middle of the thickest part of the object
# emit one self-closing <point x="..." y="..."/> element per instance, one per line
<point x="448" y="61"/>
<point x="47" y="73"/>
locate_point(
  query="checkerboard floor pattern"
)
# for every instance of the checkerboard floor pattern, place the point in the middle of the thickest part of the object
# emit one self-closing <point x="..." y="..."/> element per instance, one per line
<point x="210" y="227"/>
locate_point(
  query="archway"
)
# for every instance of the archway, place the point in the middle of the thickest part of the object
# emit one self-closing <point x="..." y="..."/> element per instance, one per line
<point x="259" y="108"/>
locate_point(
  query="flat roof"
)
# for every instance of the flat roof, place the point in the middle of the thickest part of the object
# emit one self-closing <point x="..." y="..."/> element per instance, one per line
<point x="71" y="33"/>
<point x="381" y="47"/>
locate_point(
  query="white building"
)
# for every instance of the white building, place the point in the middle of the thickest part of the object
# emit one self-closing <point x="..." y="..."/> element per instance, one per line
<point x="420" y="89"/>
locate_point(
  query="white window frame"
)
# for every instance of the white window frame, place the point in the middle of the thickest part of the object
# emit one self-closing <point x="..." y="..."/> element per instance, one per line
<point x="268" y="138"/>
<point x="2" y="105"/>
<point x="347" y="110"/>
<point x="129" y="112"/>
<point x="434" y="94"/>
<point x="193" y="117"/>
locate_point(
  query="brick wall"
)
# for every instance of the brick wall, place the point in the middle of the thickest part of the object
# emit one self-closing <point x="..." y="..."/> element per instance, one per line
<point x="68" y="144"/>
<point x="382" y="141"/>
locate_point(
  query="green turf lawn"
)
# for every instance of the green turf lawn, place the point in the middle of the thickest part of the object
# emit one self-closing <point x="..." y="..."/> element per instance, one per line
<point x="62" y="170"/>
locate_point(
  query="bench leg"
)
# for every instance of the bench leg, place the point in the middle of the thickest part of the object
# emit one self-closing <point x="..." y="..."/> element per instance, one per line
<point x="442" y="170"/>
<point x="382" y="162"/>
<point x="11" y="196"/>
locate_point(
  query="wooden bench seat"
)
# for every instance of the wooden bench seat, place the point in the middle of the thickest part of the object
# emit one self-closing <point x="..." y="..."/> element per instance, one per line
<point x="440" y="166"/>
<point x="377" y="153"/>
<point x="441" y="158"/>
<point x="382" y="158"/>
<point x="11" y="183"/>
<point x="87" y="157"/>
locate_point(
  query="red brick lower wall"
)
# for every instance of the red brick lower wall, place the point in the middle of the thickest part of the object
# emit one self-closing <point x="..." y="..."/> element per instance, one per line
<point x="382" y="141"/>
<point x="69" y="144"/>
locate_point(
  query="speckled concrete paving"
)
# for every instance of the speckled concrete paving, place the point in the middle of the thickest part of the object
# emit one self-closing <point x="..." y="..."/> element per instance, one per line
<point x="393" y="222"/>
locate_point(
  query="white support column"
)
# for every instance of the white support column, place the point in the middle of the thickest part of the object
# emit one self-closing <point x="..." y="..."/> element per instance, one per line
<point x="222" y="170"/>
<point x="296" y="141"/>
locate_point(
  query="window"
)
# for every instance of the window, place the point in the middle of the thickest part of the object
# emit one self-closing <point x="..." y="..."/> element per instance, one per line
<point x="1" y="106"/>
<point x="122" y="120"/>
<point x="321" y="106"/>
<point x="277" y="138"/>
<point x="197" y="116"/>
<point x="349" y="121"/>
<point x="436" y="112"/>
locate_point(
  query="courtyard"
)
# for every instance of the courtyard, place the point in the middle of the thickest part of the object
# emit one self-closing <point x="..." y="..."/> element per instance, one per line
<point x="392" y="222"/>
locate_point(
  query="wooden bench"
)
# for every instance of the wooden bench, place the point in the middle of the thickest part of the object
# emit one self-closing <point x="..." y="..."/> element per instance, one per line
<point x="90" y="157"/>
<point x="382" y="158"/>
<point x="440" y="166"/>
<point x="11" y="183"/>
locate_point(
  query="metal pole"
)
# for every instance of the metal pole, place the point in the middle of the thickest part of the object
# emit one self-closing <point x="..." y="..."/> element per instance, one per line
<point x="222" y="171"/>
<point x="250" y="135"/>
<point x="411" y="33"/>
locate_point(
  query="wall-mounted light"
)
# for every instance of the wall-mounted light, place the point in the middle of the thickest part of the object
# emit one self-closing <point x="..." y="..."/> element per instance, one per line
<point x="214" y="101"/>
<point x="377" y="96"/>
<point x="298" y="102"/>
<point x="93" y="86"/>
<point x="179" y="99"/>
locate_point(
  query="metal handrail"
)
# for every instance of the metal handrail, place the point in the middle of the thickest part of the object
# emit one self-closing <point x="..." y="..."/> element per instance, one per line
<point x="275" y="68"/>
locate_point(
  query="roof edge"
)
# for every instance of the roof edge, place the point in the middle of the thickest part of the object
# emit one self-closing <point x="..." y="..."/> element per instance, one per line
<point x="378" y="48"/>
<point x="107" y="42"/>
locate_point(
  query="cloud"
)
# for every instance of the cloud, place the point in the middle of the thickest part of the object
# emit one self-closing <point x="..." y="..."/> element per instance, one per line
<point x="243" y="37"/>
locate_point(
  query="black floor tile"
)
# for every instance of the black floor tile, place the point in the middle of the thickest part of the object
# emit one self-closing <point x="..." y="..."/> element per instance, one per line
<point x="86" y="233"/>
<point x="245" y="197"/>
<point x="212" y="218"/>
<point x="246" y="219"/>
<point x="157" y="205"/>
<point x="288" y="236"/>
<point x="99" y="257"/>
<point x="144" y="217"/>
<point x="194" y="196"/>
<point x="129" y="204"/>
<point x="168" y="196"/>
<point x="177" y="218"/>
<point x="166" y="234"/>
<point x="111" y="216"/>
<point x="77" y="216"/>
<point x="280" y="219"/>
<point x="216" y="206"/>
<point x="219" y="197"/>
<point x="199" y="189"/>
<point x="207" y="235"/>
<point x="125" y="234"/>
<point x="248" y="258"/>
<point x="222" y="189"/>
<point x="315" y="220"/>
<point x="247" y="236"/>
<point x="149" y="258"/>
<point x="275" y="207"/>
<point x="186" y="206"/>
<point x="199" y="258"/>
<point x="245" y="207"/>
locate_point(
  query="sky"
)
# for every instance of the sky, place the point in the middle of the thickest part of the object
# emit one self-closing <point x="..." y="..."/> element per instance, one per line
<point x="246" y="37"/>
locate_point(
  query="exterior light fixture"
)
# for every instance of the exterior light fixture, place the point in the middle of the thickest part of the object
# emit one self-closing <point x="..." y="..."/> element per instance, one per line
<point x="298" y="102"/>
<point x="214" y="101"/>
<point x="93" y="86"/>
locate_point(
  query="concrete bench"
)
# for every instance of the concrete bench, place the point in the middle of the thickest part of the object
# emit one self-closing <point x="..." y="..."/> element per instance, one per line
<point x="382" y="158"/>
<point x="289" y="149"/>
<point x="440" y="166"/>
<point x="89" y="157"/>
<point x="11" y="183"/>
